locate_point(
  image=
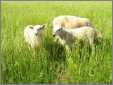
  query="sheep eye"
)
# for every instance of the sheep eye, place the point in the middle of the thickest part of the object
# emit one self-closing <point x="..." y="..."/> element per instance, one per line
<point x="59" y="30"/>
<point x="39" y="29"/>
<point x="31" y="27"/>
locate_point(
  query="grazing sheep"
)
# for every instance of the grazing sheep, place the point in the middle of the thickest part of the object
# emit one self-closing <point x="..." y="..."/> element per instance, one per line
<point x="67" y="36"/>
<point x="68" y="21"/>
<point x="33" y="35"/>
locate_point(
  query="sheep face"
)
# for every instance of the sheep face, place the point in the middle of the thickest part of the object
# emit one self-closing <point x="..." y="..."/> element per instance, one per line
<point x="38" y="29"/>
<point x="63" y="37"/>
<point x="58" y="34"/>
<point x="33" y="35"/>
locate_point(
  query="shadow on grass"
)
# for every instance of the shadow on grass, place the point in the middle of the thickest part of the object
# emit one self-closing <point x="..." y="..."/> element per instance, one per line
<point x="56" y="51"/>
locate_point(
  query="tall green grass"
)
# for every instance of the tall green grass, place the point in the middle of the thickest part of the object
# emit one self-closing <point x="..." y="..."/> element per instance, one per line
<point x="51" y="63"/>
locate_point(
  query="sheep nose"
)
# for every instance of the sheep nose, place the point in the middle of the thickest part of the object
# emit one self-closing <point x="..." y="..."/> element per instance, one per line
<point x="36" y="34"/>
<point x="53" y="35"/>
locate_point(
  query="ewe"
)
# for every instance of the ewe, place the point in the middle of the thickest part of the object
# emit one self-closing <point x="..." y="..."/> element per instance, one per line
<point x="68" y="21"/>
<point x="33" y="35"/>
<point x="66" y="36"/>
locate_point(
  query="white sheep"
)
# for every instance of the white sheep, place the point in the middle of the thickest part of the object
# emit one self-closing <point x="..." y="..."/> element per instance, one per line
<point x="68" y="21"/>
<point x="67" y="36"/>
<point x="33" y="35"/>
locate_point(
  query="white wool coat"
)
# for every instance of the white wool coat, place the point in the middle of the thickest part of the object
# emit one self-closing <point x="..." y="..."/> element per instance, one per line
<point x="32" y="36"/>
<point x="68" y="21"/>
<point x="66" y="35"/>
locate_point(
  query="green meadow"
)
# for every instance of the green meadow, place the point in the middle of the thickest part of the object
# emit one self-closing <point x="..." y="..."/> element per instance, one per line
<point x="51" y="63"/>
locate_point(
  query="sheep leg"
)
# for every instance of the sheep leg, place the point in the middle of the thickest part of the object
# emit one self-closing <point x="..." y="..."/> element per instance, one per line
<point x="34" y="50"/>
<point x="67" y="49"/>
<point x="91" y="41"/>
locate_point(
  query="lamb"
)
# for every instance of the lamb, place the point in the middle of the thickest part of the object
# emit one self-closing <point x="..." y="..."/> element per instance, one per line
<point x="66" y="36"/>
<point x="70" y="22"/>
<point x="33" y="35"/>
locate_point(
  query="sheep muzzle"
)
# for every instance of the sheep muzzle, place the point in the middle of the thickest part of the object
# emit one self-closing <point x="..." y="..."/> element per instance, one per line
<point x="54" y="35"/>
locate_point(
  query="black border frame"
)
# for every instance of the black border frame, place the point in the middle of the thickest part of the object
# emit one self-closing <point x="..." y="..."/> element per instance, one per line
<point x="48" y="0"/>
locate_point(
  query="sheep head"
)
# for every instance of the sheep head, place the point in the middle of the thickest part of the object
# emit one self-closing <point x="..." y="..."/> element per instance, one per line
<point x="63" y="35"/>
<point x="38" y="29"/>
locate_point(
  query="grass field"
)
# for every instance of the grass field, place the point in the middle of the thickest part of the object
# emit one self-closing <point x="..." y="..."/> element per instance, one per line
<point x="51" y="64"/>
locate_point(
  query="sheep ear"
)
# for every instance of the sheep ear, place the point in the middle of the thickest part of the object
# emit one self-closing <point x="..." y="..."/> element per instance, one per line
<point x="43" y="26"/>
<point x="31" y="27"/>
